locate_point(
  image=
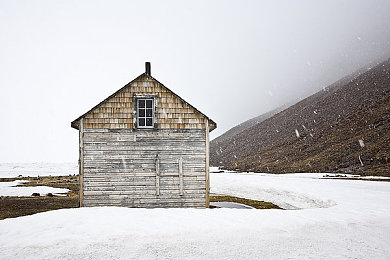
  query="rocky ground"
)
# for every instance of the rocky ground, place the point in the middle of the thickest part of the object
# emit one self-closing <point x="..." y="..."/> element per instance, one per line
<point x="343" y="128"/>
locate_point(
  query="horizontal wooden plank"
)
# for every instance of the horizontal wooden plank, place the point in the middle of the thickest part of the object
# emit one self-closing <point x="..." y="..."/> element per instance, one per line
<point x="119" y="186"/>
<point x="107" y="134"/>
<point x="139" y="140"/>
<point x="134" y="201"/>
<point x="191" y="185"/>
<point x="145" y="164"/>
<point x="142" y="132"/>
<point x="143" y="170"/>
<point x="126" y="162"/>
<point x="145" y="133"/>
<point x="134" y="140"/>
<point x="167" y="156"/>
<point x="131" y="179"/>
<point x="139" y="174"/>
<point x="143" y="189"/>
<point x="185" y="147"/>
<point x="161" y="199"/>
<point x="119" y="155"/>
<point x="150" y="194"/>
<point x="98" y="203"/>
<point x="137" y="190"/>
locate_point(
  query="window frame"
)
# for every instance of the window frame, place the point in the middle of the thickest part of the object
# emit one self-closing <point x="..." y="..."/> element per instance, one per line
<point x="136" y="120"/>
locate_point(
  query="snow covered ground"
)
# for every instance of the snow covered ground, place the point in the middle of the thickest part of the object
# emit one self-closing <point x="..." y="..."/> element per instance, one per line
<point x="10" y="189"/>
<point x="333" y="219"/>
<point x="11" y="170"/>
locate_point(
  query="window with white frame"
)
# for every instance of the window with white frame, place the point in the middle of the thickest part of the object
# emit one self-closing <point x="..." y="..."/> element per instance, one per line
<point x="145" y="112"/>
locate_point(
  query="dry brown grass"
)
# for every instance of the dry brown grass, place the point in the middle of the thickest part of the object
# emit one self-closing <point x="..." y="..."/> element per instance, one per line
<point x="11" y="207"/>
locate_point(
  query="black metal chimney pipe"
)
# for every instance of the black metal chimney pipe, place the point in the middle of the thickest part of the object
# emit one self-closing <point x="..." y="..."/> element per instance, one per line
<point x="147" y="68"/>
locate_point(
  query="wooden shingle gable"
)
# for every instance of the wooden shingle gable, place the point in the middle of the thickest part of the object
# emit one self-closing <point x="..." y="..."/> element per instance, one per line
<point x="117" y="111"/>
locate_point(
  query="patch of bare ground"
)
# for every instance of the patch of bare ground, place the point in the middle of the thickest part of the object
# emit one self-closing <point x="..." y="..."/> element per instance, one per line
<point x="11" y="207"/>
<point x="253" y="203"/>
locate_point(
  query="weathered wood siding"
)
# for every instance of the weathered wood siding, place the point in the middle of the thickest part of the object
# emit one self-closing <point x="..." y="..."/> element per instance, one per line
<point x="166" y="166"/>
<point x="135" y="168"/>
<point x="117" y="112"/>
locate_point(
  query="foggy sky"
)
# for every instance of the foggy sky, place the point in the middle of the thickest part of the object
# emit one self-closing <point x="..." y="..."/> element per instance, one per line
<point x="232" y="60"/>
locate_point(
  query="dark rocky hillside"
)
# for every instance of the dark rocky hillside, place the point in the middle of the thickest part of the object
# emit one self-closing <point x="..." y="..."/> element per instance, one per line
<point x="343" y="128"/>
<point x="231" y="133"/>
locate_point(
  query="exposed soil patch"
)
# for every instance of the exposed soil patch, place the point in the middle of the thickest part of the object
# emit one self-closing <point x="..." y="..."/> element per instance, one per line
<point x="11" y="207"/>
<point x="253" y="203"/>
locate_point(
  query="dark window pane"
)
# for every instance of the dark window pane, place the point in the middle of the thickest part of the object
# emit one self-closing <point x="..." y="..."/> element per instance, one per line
<point x="148" y="122"/>
<point x="141" y="103"/>
<point x="149" y="103"/>
<point x="141" y="112"/>
<point x="149" y="112"/>
<point x="141" y="122"/>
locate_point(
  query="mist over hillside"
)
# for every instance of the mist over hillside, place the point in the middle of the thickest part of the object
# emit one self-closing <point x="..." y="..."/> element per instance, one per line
<point x="343" y="128"/>
<point x="231" y="133"/>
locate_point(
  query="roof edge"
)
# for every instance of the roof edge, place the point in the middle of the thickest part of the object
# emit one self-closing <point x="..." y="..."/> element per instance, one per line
<point x="75" y="123"/>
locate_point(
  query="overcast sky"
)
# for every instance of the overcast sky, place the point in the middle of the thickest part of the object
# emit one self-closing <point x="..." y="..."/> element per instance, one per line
<point x="232" y="60"/>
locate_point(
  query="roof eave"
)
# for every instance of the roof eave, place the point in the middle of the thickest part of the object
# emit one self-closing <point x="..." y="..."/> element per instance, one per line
<point x="212" y="125"/>
<point x="76" y="123"/>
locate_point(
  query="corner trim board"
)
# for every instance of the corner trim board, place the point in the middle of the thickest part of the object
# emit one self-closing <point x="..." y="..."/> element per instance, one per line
<point x="81" y="162"/>
<point x="207" y="164"/>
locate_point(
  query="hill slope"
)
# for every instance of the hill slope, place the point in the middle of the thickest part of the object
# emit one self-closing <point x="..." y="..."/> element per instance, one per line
<point x="231" y="133"/>
<point x="344" y="128"/>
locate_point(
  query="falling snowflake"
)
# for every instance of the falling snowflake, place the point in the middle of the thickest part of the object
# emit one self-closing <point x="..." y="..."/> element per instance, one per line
<point x="124" y="163"/>
<point x="297" y="132"/>
<point x="360" y="159"/>
<point x="164" y="113"/>
<point x="269" y="92"/>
